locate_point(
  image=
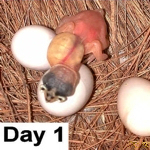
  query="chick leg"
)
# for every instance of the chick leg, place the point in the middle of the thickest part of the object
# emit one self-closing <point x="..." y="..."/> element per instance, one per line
<point x="95" y="47"/>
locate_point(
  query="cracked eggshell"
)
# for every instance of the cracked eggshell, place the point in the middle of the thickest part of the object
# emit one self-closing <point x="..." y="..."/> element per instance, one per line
<point x="30" y="44"/>
<point x="134" y="105"/>
<point x="73" y="103"/>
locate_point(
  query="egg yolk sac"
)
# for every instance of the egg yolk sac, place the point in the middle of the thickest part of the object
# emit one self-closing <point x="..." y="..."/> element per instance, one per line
<point x="59" y="83"/>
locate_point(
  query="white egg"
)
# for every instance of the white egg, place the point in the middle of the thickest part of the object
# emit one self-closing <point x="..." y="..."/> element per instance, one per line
<point x="134" y="105"/>
<point x="29" y="46"/>
<point x="73" y="103"/>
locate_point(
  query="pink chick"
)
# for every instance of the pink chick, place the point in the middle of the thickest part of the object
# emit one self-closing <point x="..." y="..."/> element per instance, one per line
<point x="91" y="27"/>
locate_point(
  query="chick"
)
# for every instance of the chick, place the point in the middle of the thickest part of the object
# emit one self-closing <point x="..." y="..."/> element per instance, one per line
<point x="91" y="27"/>
<point x="64" y="54"/>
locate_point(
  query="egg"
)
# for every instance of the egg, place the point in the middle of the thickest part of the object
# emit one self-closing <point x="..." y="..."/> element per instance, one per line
<point x="133" y="104"/>
<point x="30" y="44"/>
<point x="73" y="103"/>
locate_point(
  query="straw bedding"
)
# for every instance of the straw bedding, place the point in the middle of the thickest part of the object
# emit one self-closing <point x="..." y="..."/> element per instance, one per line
<point x="97" y="126"/>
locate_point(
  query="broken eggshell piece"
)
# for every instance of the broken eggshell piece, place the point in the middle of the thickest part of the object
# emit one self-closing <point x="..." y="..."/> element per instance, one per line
<point x="73" y="103"/>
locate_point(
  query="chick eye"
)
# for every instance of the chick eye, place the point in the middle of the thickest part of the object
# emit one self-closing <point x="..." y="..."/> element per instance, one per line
<point x="43" y="88"/>
<point x="61" y="98"/>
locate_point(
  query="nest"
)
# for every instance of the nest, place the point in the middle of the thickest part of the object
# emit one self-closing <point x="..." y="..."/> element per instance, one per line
<point x="97" y="126"/>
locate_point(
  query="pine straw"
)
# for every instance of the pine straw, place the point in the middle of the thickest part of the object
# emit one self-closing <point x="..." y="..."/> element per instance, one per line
<point x="97" y="126"/>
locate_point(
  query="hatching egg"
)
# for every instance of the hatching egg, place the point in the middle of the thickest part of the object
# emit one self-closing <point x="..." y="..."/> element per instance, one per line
<point x="30" y="44"/>
<point x="134" y="105"/>
<point x="73" y="103"/>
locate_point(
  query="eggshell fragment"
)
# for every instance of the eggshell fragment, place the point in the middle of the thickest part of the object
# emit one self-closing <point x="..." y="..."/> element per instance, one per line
<point x="134" y="105"/>
<point x="73" y="103"/>
<point x="30" y="44"/>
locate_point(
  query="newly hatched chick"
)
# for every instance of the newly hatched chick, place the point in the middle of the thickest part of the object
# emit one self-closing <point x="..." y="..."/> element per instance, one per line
<point x="64" y="54"/>
<point x="78" y="35"/>
<point x="91" y="27"/>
